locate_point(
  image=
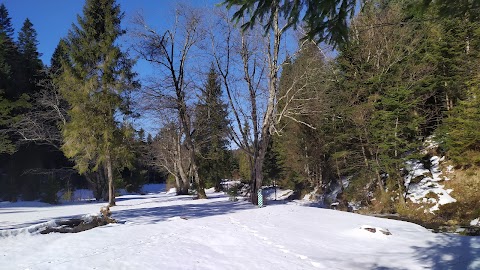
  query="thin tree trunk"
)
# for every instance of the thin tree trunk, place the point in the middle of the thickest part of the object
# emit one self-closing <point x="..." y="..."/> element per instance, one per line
<point x="111" y="188"/>
<point x="396" y="127"/>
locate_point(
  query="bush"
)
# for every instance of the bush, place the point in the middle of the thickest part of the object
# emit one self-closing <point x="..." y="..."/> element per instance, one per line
<point x="233" y="192"/>
<point x="67" y="195"/>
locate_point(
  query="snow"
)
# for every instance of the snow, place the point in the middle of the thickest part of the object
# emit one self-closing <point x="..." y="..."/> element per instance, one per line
<point x="281" y="194"/>
<point x="153" y="188"/>
<point x="475" y="222"/>
<point x="429" y="182"/>
<point x="164" y="231"/>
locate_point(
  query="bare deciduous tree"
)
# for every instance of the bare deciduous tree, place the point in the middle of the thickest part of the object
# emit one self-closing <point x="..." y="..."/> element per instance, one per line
<point x="258" y="111"/>
<point x="170" y="52"/>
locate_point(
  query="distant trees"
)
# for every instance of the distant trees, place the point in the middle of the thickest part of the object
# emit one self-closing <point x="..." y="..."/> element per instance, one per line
<point x="95" y="82"/>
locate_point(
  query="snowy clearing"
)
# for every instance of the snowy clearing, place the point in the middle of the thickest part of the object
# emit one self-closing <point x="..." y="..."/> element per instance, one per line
<point x="163" y="231"/>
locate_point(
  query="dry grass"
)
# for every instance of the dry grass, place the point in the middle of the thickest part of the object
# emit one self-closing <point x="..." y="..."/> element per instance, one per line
<point x="466" y="190"/>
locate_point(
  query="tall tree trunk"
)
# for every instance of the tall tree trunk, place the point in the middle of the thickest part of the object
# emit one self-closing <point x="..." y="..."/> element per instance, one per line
<point x="111" y="188"/>
<point x="269" y="118"/>
<point x="257" y="172"/>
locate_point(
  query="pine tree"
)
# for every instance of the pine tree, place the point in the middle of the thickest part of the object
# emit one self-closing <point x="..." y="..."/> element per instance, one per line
<point x="95" y="83"/>
<point x="462" y="135"/>
<point x="303" y="104"/>
<point x="211" y="132"/>
<point x="59" y="55"/>
<point x="31" y="63"/>
<point x="8" y="52"/>
<point x="384" y="88"/>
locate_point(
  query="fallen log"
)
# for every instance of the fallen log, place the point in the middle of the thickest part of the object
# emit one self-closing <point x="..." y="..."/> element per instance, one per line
<point x="79" y="225"/>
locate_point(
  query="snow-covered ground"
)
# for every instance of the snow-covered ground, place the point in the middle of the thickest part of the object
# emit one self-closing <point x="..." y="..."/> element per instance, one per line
<point x="163" y="231"/>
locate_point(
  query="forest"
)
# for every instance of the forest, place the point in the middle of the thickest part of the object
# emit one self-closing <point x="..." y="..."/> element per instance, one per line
<point x="336" y="99"/>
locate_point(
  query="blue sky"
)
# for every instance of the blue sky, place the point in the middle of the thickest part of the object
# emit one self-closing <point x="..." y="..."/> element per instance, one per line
<point x="53" y="18"/>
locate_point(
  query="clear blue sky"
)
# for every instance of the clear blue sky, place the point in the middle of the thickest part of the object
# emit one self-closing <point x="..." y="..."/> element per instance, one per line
<point x="53" y="18"/>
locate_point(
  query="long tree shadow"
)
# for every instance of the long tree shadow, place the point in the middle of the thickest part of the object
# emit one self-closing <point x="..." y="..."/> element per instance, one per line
<point x="186" y="211"/>
<point x="451" y="252"/>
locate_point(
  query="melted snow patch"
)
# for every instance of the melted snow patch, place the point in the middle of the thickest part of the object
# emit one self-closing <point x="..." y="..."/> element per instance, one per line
<point x="172" y="191"/>
<point x="427" y="181"/>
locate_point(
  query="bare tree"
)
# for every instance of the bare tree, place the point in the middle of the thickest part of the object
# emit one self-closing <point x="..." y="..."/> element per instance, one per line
<point x="235" y="48"/>
<point x="170" y="52"/>
<point x="43" y="123"/>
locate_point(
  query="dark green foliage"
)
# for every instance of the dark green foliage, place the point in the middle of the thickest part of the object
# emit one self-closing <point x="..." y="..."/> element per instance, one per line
<point x="59" y="55"/>
<point x="211" y="133"/>
<point x="8" y="116"/>
<point x="272" y="166"/>
<point x="459" y="9"/>
<point x="383" y="94"/>
<point x="8" y="53"/>
<point x="302" y="148"/>
<point x="325" y="20"/>
<point x="31" y="64"/>
<point x="461" y="130"/>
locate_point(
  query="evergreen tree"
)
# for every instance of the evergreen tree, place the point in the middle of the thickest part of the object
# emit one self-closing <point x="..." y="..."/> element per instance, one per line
<point x="303" y="102"/>
<point x="384" y="87"/>
<point x="8" y="53"/>
<point x="461" y="132"/>
<point x="31" y="63"/>
<point x="59" y="55"/>
<point x="211" y="132"/>
<point x="95" y="81"/>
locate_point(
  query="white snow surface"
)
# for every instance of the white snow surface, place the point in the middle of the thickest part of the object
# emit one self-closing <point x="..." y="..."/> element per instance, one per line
<point x="430" y="182"/>
<point x="475" y="222"/>
<point x="164" y="231"/>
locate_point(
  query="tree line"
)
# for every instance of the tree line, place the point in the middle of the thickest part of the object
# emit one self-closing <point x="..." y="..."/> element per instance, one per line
<point x="234" y="98"/>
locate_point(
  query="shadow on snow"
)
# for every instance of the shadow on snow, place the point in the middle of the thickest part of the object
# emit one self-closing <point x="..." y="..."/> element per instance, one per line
<point x="187" y="211"/>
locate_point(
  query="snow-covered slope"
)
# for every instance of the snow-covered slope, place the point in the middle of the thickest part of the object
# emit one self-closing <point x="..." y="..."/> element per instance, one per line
<point x="427" y="187"/>
<point x="162" y="231"/>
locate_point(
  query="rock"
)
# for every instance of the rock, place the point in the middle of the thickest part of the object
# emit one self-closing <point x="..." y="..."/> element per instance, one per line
<point x="376" y="230"/>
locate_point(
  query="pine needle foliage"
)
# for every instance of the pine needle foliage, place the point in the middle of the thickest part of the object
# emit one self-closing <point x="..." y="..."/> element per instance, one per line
<point x="96" y="80"/>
